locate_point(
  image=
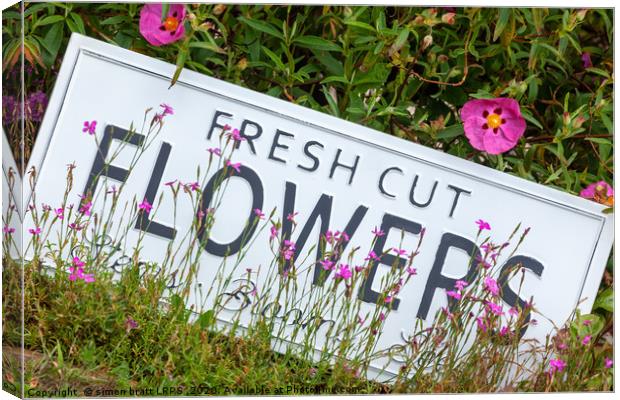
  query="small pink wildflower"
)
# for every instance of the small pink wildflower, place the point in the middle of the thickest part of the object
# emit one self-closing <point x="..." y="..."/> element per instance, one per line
<point x="586" y="59"/>
<point x="491" y="286"/>
<point x="504" y="331"/>
<point x="85" y="208"/>
<point x="556" y="365"/>
<point x="388" y="299"/>
<point x="75" y="226"/>
<point x="130" y="324"/>
<point x="513" y="311"/>
<point x="495" y="308"/>
<point x="146" y="206"/>
<point x="327" y="264"/>
<point x="483" y="225"/>
<point x="34" y="232"/>
<point x="412" y="271"/>
<point x="399" y="252"/>
<point x="170" y="183"/>
<point x="8" y="230"/>
<point x="194" y="186"/>
<point x="359" y="268"/>
<point x="343" y="272"/>
<point x="236" y="135"/>
<point x="587" y="322"/>
<point x="167" y="110"/>
<point x="273" y="232"/>
<point x="291" y="217"/>
<point x="215" y="150"/>
<point x="235" y="166"/>
<point x="608" y="362"/>
<point x="460" y="284"/>
<point x="378" y="232"/>
<point x="454" y="294"/>
<point x="372" y="256"/>
<point x="586" y="340"/>
<point x="259" y="213"/>
<point x="381" y="317"/>
<point x="89" y="127"/>
<point x="481" y="324"/>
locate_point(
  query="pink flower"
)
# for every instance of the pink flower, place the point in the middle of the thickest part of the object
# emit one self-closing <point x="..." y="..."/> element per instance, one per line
<point x="482" y="225"/>
<point x="490" y="285"/>
<point x="556" y="365"/>
<point x="454" y="294"/>
<point x="88" y="278"/>
<point x="412" y="271"/>
<point x="130" y="324"/>
<point x="146" y="206"/>
<point x="601" y="192"/>
<point x="372" y="256"/>
<point x="495" y="308"/>
<point x="343" y="272"/>
<point x="159" y="33"/>
<point x="259" y="213"/>
<point x="77" y="262"/>
<point x="513" y="311"/>
<point x="586" y="340"/>
<point x="90" y="127"/>
<point x="608" y="362"/>
<point x="493" y="125"/>
<point x="326" y="264"/>
<point x="170" y="183"/>
<point x="34" y="231"/>
<point x="273" y="232"/>
<point x="378" y="232"/>
<point x="288" y="249"/>
<point x="482" y="262"/>
<point x="75" y="226"/>
<point x="236" y="135"/>
<point x="359" y="268"/>
<point x="167" y="110"/>
<point x="399" y="252"/>
<point x="481" y="324"/>
<point x="585" y="58"/>
<point x="504" y="331"/>
<point x="587" y="322"/>
<point x="388" y="299"/>
<point x="381" y="316"/>
<point x="215" y="150"/>
<point x="291" y="217"/>
<point x="194" y="186"/>
<point x="8" y="230"/>
<point x="460" y="284"/>
<point x="235" y="166"/>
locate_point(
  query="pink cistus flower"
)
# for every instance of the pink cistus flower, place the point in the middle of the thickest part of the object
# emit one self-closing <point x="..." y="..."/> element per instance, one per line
<point x="556" y="365"/>
<point x="493" y="125"/>
<point x="158" y="32"/>
<point x="601" y="192"/>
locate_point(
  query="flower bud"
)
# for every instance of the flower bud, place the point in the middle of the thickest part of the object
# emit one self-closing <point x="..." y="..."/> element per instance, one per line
<point x="448" y="18"/>
<point x="219" y="9"/>
<point x="427" y="41"/>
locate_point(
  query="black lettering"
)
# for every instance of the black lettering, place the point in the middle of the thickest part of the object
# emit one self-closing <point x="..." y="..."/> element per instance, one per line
<point x="275" y="144"/>
<point x="315" y="159"/>
<point x="100" y="167"/>
<point x="143" y="222"/>
<point x="250" y="138"/>
<point x="436" y="280"/>
<point x="382" y="177"/>
<point x="508" y="295"/>
<point x="412" y="194"/>
<point x="336" y="164"/>
<point x="389" y="221"/>
<point x="210" y="188"/>
<point x="457" y="194"/>
<point x="215" y="124"/>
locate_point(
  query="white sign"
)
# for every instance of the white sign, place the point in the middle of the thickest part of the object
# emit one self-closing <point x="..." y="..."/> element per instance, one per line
<point x="336" y="175"/>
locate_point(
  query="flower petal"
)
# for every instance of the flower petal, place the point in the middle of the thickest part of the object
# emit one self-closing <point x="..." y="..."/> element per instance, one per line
<point x="497" y="143"/>
<point x="474" y="132"/>
<point x="513" y="128"/>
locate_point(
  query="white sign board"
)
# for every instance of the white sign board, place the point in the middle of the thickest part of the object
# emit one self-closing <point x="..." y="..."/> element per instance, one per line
<point x="336" y="175"/>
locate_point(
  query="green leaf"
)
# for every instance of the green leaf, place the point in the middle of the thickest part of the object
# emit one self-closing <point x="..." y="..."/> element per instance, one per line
<point x="361" y="25"/>
<point x="208" y="46"/>
<point x="262" y="26"/>
<point x="50" y="19"/>
<point x="206" y="319"/>
<point x="181" y="58"/>
<point x="117" y="19"/>
<point x="451" y="132"/>
<point x="51" y="43"/>
<point x="317" y="43"/>
<point x="605" y="300"/>
<point x="79" y="24"/>
<point x="502" y="22"/>
<point x="530" y="118"/>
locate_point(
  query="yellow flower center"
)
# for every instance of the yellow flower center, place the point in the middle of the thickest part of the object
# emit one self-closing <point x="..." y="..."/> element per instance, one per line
<point x="494" y="121"/>
<point x="171" y="24"/>
<point x="600" y="188"/>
